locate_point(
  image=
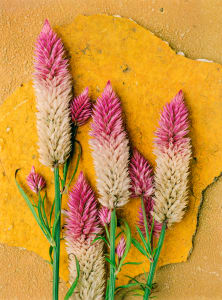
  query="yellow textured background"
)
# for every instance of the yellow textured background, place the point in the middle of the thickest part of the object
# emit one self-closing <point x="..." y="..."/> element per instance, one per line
<point x="146" y="74"/>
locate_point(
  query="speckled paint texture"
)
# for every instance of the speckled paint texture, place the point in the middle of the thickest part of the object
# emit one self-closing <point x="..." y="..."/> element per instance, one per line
<point x="146" y="74"/>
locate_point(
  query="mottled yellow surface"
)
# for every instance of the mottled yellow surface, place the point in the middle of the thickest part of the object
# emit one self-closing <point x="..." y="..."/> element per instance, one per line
<point x="146" y="74"/>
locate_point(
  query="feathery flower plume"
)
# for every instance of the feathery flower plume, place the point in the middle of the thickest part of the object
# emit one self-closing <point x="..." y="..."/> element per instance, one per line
<point x="52" y="84"/>
<point x="120" y="248"/>
<point x="173" y="151"/>
<point x="110" y="150"/>
<point x="104" y="216"/>
<point x="35" y="181"/>
<point x="81" y="108"/>
<point x="142" y="185"/>
<point x="82" y="226"/>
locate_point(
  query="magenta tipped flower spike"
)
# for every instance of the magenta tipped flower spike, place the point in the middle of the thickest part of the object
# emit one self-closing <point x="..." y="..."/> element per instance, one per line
<point x="173" y="151"/>
<point x="173" y="124"/>
<point x="120" y="248"/>
<point x="53" y="90"/>
<point x="82" y="221"/>
<point x="141" y="175"/>
<point x="104" y="216"/>
<point x="81" y="108"/>
<point x="110" y="150"/>
<point x="35" y="181"/>
<point x="50" y="65"/>
<point x="82" y="227"/>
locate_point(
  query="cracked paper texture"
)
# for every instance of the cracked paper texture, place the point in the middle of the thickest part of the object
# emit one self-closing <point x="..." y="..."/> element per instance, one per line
<point x="146" y="74"/>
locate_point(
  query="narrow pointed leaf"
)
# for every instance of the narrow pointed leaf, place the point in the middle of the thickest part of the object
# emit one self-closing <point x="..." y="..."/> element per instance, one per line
<point x="74" y="284"/>
<point x="77" y="163"/>
<point x="132" y="263"/>
<point x="100" y="238"/>
<point x="145" y="243"/>
<point x="139" y="247"/>
<point x="110" y="262"/>
<point x="28" y="202"/>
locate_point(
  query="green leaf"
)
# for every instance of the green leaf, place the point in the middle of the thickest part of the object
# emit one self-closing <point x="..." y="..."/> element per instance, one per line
<point x="74" y="284"/>
<point x="151" y="231"/>
<point x="107" y="232"/>
<point x="51" y="212"/>
<point x="77" y="163"/>
<point x="139" y="247"/>
<point x="126" y="286"/>
<point x="110" y="262"/>
<point x="65" y="171"/>
<point x="44" y="214"/>
<point x="145" y="274"/>
<point x="142" y="285"/>
<point x="28" y="202"/>
<point x="145" y="243"/>
<point x="119" y="234"/>
<point x="50" y="254"/>
<point x="132" y="263"/>
<point x="100" y="238"/>
<point x="41" y="217"/>
<point x="154" y="252"/>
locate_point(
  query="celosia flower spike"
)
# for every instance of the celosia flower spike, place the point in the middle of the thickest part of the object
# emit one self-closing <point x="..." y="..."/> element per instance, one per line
<point x="141" y="175"/>
<point x="81" y="108"/>
<point x="52" y="84"/>
<point x="82" y="221"/>
<point x="104" y="216"/>
<point x="120" y="248"/>
<point x="142" y="185"/>
<point x="82" y="227"/>
<point x="173" y="151"/>
<point x="110" y="150"/>
<point x="35" y="181"/>
<point x="173" y="124"/>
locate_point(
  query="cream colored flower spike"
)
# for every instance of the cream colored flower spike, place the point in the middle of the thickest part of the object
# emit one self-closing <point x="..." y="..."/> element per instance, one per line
<point x="110" y="150"/>
<point x="91" y="284"/>
<point x="173" y="151"/>
<point x="52" y="84"/>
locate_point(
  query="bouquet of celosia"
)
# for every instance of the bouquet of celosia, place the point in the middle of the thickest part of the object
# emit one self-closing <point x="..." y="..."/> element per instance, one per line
<point x="92" y="238"/>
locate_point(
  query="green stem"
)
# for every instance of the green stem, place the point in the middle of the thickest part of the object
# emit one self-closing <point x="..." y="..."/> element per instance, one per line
<point x="112" y="278"/>
<point x="107" y="232"/>
<point x="154" y="263"/>
<point x="146" y="225"/>
<point x="57" y="235"/>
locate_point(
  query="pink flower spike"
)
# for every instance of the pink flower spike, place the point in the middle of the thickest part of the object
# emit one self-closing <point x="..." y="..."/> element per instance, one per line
<point x="104" y="216"/>
<point x="141" y="175"/>
<point x="173" y="154"/>
<point x="110" y="150"/>
<point x="82" y="221"/>
<point x="53" y="90"/>
<point x="120" y="249"/>
<point x="51" y="69"/>
<point x="81" y="108"/>
<point x="173" y="124"/>
<point x="35" y="181"/>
